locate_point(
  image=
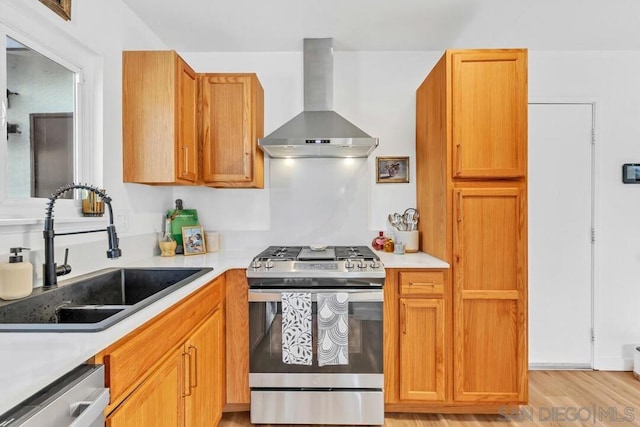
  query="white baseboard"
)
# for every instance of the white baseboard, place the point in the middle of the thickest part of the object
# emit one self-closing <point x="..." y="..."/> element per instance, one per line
<point x="613" y="364"/>
<point x="559" y="366"/>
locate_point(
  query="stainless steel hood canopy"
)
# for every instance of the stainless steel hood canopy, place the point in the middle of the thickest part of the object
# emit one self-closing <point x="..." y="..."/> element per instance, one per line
<point x="318" y="131"/>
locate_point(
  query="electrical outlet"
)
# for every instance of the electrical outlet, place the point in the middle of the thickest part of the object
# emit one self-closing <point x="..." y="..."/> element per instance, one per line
<point x="121" y="221"/>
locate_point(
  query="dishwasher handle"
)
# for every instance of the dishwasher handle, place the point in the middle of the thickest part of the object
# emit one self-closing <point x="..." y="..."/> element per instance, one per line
<point x="89" y="411"/>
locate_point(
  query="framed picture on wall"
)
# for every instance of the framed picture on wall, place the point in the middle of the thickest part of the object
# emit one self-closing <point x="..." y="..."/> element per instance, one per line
<point x="61" y="7"/>
<point x="392" y="170"/>
<point x="193" y="240"/>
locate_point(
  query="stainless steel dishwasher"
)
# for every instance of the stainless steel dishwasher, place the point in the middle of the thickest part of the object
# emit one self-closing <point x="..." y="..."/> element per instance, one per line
<point x="77" y="399"/>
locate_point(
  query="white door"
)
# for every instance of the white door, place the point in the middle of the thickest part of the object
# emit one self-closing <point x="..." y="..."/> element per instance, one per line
<point x="560" y="247"/>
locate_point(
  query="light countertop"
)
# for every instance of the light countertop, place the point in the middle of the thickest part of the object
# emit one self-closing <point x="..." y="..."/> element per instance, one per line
<point x="31" y="360"/>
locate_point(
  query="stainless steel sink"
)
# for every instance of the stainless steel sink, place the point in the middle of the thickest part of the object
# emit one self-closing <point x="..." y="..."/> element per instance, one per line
<point x="95" y="301"/>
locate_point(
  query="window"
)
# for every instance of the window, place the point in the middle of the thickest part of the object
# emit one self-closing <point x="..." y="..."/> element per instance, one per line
<point x="40" y="111"/>
<point x="53" y="88"/>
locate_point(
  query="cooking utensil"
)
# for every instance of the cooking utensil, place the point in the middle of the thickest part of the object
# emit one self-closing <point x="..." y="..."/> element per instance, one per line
<point x="410" y="218"/>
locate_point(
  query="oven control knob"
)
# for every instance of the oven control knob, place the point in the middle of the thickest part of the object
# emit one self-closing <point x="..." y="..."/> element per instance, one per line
<point x="362" y="264"/>
<point x="348" y="264"/>
<point x="375" y="264"/>
<point x="268" y="264"/>
<point x="256" y="264"/>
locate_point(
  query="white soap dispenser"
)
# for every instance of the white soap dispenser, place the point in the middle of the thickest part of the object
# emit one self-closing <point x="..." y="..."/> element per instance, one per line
<point x="16" y="276"/>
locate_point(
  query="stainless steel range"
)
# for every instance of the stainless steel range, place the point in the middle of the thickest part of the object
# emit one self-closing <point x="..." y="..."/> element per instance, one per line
<point x="315" y="321"/>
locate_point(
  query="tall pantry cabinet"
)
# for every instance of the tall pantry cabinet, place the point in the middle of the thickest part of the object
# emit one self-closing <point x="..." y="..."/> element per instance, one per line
<point x="471" y="155"/>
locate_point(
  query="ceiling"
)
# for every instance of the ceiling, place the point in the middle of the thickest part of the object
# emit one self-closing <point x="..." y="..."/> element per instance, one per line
<point x="376" y="25"/>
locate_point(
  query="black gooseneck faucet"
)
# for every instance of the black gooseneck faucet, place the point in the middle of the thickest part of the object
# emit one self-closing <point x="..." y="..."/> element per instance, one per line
<point x="49" y="269"/>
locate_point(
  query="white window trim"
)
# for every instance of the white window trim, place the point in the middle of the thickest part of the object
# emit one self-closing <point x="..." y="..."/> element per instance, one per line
<point x="35" y="31"/>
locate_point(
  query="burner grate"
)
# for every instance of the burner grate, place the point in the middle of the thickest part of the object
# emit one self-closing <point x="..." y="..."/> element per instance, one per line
<point x="288" y="253"/>
<point x="355" y="252"/>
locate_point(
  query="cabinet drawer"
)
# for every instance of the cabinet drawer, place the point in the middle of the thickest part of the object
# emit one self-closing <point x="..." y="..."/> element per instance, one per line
<point x="421" y="282"/>
<point x="131" y="359"/>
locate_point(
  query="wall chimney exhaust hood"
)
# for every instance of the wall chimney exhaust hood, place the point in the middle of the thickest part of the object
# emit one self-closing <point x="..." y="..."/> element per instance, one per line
<point x="318" y="131"/>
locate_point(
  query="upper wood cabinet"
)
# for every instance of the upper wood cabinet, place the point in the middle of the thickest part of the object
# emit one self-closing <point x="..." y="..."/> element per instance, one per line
<point x="183" y="128"/>
<point x="159" y="119"/>
<point x="232" y="120"/>
<point x="486" y="109"/>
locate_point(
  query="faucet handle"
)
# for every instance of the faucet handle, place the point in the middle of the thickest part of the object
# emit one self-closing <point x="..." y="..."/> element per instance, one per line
<point x="65" y="268"/>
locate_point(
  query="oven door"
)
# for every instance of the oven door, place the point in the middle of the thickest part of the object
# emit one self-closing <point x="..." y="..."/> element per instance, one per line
<point x="365" y="367"/>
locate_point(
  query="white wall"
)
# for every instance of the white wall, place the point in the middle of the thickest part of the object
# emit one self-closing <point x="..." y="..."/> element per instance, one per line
<point x="610" y="79"/>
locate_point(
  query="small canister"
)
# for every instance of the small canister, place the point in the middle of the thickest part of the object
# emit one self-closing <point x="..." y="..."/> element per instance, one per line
<point x="212" y="240"/>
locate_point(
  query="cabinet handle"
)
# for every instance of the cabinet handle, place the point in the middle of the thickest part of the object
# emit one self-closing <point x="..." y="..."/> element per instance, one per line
<point x="459" y="206"/>
<point x="195" y="364"/>
<point x="459" y="158"/>
<point x="404" y="318"/>
<point x="186" y="160"/>
<point x="422" y="283"/>
<point x="187" y="387"/>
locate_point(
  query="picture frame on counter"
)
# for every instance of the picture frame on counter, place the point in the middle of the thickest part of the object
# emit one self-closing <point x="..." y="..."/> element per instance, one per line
<point x="392" y="170"/>
<point x="193" y="240"/>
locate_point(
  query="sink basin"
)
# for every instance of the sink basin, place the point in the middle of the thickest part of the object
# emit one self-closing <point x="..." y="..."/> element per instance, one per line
<point x="95" y="301"/>
<point x="87" y="313"/>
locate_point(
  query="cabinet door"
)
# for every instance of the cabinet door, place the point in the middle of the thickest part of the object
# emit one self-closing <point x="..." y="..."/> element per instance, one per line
<point x="159" y="128"/>
<point x="489" y="113"/>
<point x="205" y="373"/>
<point x="422" y="365"/>
<point x="490" y="295"/>
<point x="237" y="340"/>
<point x="158" y="402"/>
<point x="229" y="117"/>
<point x="187" y="144"/>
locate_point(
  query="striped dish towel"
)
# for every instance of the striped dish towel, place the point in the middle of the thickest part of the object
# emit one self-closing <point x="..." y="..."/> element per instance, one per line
<point x="296" y="328"/>
<point x="333" y="329"/>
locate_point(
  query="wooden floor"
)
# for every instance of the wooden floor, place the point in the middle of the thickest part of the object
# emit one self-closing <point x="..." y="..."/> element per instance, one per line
<point x="556" y="399"/>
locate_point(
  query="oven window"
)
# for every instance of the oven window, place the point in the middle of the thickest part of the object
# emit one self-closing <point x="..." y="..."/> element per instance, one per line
<point x="365" y="340"/>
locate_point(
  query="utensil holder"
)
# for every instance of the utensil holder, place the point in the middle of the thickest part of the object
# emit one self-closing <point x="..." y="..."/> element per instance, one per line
<point x="410" y="239"/>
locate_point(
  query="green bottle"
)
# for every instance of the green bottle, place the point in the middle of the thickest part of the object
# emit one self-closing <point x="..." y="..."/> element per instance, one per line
<point x="181" y="217"/>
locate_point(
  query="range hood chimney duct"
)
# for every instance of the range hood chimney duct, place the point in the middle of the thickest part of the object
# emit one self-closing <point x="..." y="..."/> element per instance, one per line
<point x="318" y="131"/>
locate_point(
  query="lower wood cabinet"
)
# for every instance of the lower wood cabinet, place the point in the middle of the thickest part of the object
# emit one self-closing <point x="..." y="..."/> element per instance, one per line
<point x="449" y="346"/>
<point x="237" y="341"/>
<point x="416" y="338"/>
<point x="204" y="388"/>
<point x="422" y="368"/>
<point x="170" y="371"/>
<point x="490" y="293"/>
<point x="158" y="402"/>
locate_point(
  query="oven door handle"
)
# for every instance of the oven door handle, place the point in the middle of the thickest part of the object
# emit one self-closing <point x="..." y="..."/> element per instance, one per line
<point x="261" y="295"/>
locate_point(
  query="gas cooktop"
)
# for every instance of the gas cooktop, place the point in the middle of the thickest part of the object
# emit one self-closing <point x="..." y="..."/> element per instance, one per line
<point x="316" y="262"/>
<point x="316" y="253"/>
